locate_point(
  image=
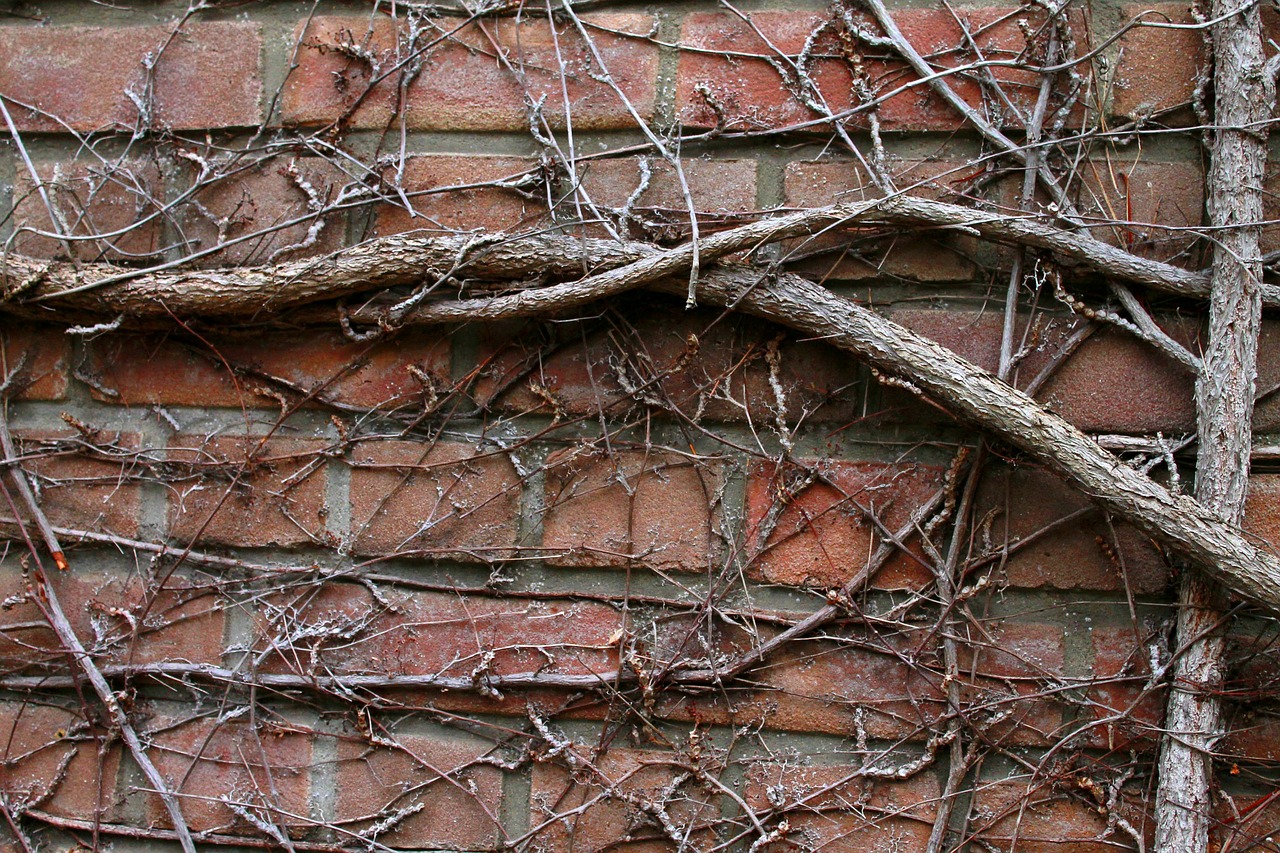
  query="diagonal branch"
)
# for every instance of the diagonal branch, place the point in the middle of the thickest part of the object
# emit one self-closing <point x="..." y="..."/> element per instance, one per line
<point x="973" y="395"/>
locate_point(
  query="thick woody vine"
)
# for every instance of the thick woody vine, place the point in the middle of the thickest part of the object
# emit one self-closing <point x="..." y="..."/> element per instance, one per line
<point x="694" y="645"/>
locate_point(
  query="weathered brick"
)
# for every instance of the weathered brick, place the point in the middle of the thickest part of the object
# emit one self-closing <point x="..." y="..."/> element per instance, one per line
<point x="1007" y="670"/>
<point x="1266" y="412"/>
<point x="1246" y="820"/>
<point x="750" y="93"/>
<point x="665" y="358"/>
<point x="34" y="359"/>
<point x="1150" y="209"/>
<point x="653" y="508"/>
<point x="975" y="336"/>
<point x="208" y="75"/>
<point x="402" y="372"/>
<point x="54" y="759"/>
<point x="461" y="85"/>
<point x="458" y="801"/>
<point x="450" y="193"/>
<point x="1126" y="714"/>
<point x="315" y="369"/>
<point x="1011" y="650"/>
<point x="263" y="768"/>
<point x="1262" y="509"/>
<point x="1027" y="815"/>
<point x="1251" y="724"/>
<point x="1116" y="383"/>
<point x="840" y="254"/>
<point x="430" y="633"/>
<point x="1112" y="383"/>
<point x="837" y="807"/>
<point x="247" y="491"/>
<point x="118" y="619"/>
<point x="886" y="685"/>
<point x="442" y="499"/>
<point x="250" y="209"/>
<point x="133" y="370"/>
<point x="123" y="201"/>
<point x="719" y="188"/>
<point x="1078" y="554"/>
<point x="613" y="807"/>
<point x="83" y="486"/>
<point x="822" y="534"/>
<point x="1158" y="67"/>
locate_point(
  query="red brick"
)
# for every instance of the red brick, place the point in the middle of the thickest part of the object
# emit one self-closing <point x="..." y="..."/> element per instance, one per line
<point x="122" y="201"/>
<point x="1000" y="35"/>
<point x="119" y="619"/>
<point x="1012" y="650"/>
<point x="329" y="368"/>
<point x="1157" y="208"/>
<point x="1022" y="816"/>
<point x="460" y="801"/>
<point x="1262" y="509"/>
<point x="883" y="685"/>
<point x="1158" y="67"/>
<point x="251" y="206"/>
<point x="323" y="367"/>
<point x="140" y="369"/>
<point x="1075" y="555"/>
<point x="610" y="807"/>
<point x="53" y="759"/>
<point x="816" y="183"/>
<point x="1111" y="383"/>
<point x="1008" y="670"/>
<point x="462" y="86"/>
<point x="81" y="487"/>
<point x="844" y="254"/>
<point x="429" y="633"/>
<point x="448" y="193"/>
<point x="975" y="337"/>
<point x="691" y="640"/>
<point x="242" y="491"/>
<point x="611" y="510"/>
<point x="752" y="94"/>
<point x="34" y="359"/>
<point x="719" y="189"/>
<point x="208" y="76"/>
<point x="263" y="768"/>
<point x="1116" y="383"/>
<point x="837" y="808"/>
<point x="1246" y="821"/>
<point x="442" y="499"/>
<point x="749" y="90"/>
<point x="1253" y="673"/>
<point x="1266" y="413"/>
<point x="1127" y="714"/>
<point x="820" y="535"/>
<point x="674" y="359"/>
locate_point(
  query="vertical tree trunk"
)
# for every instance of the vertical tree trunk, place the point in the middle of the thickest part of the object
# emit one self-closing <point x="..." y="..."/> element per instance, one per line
<point x="1224" y="401"/>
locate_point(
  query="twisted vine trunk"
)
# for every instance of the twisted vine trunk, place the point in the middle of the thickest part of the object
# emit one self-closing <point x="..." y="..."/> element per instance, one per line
<point x="1243" y="102"/>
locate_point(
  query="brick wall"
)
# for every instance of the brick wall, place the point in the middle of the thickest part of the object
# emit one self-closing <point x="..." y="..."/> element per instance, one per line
<point x="442" y="588"/>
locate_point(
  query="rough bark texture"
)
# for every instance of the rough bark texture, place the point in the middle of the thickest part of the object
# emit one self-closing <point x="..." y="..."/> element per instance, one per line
<point x="1244" y="98"/>
<point x="38" y="288"/>
<point x="970" y="393"/>
<point x="975" y="396"/>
